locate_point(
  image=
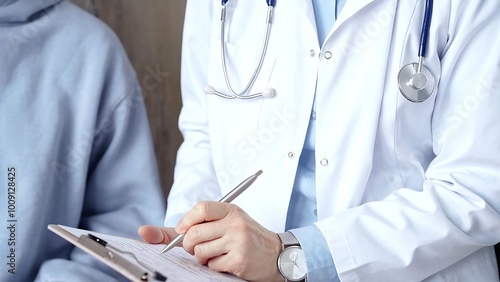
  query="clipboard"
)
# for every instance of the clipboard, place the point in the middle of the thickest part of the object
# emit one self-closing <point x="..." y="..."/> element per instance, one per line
<point x="97" y="247"/>
<point x="139" y="261"/>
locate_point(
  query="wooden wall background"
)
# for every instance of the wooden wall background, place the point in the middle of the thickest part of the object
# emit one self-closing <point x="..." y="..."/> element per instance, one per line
<point x="151" y="33"/>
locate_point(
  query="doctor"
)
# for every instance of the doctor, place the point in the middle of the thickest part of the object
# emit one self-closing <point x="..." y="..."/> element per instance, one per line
<point x="366" y="183"/>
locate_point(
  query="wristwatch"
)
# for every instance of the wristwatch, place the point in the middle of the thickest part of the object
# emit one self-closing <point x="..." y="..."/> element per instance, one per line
<point x="291" y="261"/>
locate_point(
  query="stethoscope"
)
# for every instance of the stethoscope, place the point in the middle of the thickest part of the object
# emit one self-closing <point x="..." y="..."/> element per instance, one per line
<point x="266" y="93"/>
<point x="416" y="82"/>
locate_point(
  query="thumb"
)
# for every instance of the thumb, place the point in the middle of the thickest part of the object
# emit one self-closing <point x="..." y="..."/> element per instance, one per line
<point x="156" y="234"/>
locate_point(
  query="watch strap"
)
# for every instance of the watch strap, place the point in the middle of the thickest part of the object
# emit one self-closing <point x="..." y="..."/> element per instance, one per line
<point x="288" y="239"/>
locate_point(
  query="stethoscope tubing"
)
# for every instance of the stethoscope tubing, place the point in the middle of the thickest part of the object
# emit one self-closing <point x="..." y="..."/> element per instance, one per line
<point x="268" y="92"/>
<point x="424" y="36"/>
<point x="258" y="67"/>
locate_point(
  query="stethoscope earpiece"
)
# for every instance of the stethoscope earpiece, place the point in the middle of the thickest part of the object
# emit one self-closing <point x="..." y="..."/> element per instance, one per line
<point x="209" y="89"/>
<point x="268" y="93"/>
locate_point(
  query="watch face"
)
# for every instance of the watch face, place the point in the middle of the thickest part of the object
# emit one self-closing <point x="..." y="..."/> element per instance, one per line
<point x="292" y="264"/>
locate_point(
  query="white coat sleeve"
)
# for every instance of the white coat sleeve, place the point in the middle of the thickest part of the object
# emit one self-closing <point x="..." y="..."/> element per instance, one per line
<point x="194" y="177"/>
<point x="413" y="234"/>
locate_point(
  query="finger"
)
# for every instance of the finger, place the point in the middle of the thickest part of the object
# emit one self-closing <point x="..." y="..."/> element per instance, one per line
<point x="206" y="251"/>
<point x="251" y="267"/>
<point x="157" y="235"/>
<point x="218" y="263"/>
<point x="203" y="211"/>
<point x="201" y="234"/>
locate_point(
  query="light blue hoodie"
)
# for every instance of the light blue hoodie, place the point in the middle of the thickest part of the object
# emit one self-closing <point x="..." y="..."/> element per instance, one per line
<point x="75" y="146"/>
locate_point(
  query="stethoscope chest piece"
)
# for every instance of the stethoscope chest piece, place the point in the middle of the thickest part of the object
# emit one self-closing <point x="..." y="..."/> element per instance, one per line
<point x="416" y="86"/>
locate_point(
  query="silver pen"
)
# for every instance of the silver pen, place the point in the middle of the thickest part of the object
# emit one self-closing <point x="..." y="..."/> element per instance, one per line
<point x="226" y="199"/>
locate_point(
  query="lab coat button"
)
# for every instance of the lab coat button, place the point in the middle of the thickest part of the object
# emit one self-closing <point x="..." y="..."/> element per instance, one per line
<point x="324" y="162"/>
<point x="328" y="55"/>
<point x="291" y="155"/>
<point x="312" y="53"/>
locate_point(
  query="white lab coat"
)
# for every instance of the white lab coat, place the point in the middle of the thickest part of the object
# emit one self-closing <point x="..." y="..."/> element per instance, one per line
<point x="406" y="192"/>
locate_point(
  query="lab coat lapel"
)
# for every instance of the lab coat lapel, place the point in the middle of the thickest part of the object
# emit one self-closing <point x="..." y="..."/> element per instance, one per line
<point x="351" y="8"/>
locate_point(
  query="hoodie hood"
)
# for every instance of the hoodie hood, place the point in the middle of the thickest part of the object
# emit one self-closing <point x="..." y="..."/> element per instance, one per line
<point x="18" y="11"/>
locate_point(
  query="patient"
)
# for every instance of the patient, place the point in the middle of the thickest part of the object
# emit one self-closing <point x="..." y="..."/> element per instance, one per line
<point x="75" y="145"/>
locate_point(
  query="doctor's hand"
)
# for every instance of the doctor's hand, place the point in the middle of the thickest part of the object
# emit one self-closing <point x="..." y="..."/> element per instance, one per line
<point x="223" y="237"/>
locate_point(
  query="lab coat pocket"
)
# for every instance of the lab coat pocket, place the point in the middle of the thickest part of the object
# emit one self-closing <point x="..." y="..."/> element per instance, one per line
<point x="236" y="119"/>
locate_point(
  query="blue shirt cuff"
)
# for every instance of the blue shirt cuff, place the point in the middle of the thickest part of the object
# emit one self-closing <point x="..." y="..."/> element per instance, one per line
<point x="320" y="265"/>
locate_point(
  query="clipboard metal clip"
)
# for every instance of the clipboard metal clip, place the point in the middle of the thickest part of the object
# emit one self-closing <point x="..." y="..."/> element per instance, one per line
<point x="101" y="248"/>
